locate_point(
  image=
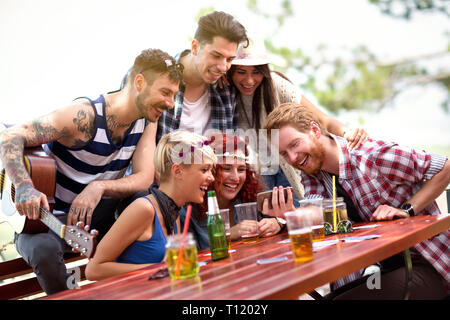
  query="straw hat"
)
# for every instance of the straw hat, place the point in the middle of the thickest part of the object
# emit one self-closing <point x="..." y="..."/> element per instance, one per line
<point x="253" y="55"/>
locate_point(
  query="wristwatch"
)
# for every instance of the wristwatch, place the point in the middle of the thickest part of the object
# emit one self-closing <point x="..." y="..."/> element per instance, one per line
<point x="281" y="223"/>
<point x="408" y="208"/>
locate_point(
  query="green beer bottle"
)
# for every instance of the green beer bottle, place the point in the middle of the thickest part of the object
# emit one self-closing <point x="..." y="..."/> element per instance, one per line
<point x="216" y="230"/>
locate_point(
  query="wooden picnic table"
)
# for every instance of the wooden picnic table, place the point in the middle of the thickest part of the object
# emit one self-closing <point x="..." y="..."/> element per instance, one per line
<point x="241" y="277"/>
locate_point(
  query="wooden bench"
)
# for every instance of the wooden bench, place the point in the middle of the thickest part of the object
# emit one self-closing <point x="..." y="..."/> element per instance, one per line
<point x="25" y="287"/>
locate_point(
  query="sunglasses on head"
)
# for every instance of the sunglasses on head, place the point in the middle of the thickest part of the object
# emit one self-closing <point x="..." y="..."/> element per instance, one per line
<point x="176" y="68"/>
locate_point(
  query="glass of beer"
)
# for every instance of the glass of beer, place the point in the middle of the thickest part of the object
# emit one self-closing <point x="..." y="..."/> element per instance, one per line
<point x="299" y="224"/>
<point x="247" y="215"/>
<point x="225" y="213"/>
<point x="341" y="213"/>
<point x="315" y="205"/>
<point x="182" y="261"/>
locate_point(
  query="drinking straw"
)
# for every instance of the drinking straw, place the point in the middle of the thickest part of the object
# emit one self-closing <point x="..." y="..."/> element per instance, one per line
<point x="334" y="204"/>
<point x="183" y="238"/>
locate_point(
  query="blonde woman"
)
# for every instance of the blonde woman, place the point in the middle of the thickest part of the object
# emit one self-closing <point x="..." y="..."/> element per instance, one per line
<point x="137" y="239"/>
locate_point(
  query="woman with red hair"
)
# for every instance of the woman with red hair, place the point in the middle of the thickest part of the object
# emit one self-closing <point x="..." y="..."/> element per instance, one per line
<point x="235" y="182"/>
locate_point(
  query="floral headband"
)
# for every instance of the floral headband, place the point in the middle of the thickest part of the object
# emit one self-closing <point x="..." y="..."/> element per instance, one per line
<point x="192" y="148"/>
<point x="234" y="155"/>
<point x="225" y="155"/>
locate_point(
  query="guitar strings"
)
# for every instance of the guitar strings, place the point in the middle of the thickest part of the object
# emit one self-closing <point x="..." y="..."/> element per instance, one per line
<point x="44" y="214"/>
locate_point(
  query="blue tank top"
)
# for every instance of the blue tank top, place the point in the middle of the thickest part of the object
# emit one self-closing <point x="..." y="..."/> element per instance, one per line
<point x="99" y="159"/>
<point x="148" y="251"/>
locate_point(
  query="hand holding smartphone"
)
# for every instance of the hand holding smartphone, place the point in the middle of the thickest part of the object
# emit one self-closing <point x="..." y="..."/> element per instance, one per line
<point x="261" y="196"/>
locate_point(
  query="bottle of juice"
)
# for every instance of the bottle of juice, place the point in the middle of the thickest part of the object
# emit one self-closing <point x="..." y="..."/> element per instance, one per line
<point x="216" y="230"/>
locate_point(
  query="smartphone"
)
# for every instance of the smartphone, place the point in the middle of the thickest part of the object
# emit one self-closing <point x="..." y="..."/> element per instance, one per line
<point x="161" y="273"/>
<point x="267" y="195"/>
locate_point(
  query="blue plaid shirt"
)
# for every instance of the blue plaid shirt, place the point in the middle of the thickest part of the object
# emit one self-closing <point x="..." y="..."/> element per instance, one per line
<point x="221" y="100"/>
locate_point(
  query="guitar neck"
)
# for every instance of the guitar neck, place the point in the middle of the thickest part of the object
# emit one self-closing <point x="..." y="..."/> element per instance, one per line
<point x="52" y="222"/>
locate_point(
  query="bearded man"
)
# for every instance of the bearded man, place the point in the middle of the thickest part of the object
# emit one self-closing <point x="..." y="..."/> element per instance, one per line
<point x="92" y="142"/>
<point x="378" y="181"/>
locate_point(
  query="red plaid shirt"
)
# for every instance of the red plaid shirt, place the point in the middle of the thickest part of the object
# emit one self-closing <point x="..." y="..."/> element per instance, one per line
<point x="379" y="173"/>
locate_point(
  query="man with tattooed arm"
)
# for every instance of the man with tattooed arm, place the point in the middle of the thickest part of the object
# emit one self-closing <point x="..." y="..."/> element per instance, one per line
<point x="92" y="142"/>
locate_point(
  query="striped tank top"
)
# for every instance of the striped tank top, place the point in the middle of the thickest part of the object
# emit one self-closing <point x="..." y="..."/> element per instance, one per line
<point x="98" y="159"/>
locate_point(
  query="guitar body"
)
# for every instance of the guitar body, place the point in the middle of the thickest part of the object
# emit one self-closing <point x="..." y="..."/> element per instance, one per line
<point x="42" y="170"/>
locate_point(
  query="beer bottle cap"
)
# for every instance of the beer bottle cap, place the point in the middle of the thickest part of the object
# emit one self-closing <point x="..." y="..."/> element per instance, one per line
<point x="211" y="193"/>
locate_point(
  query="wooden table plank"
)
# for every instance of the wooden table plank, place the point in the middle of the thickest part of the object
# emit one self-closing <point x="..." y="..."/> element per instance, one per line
<point x="240" y="277"/>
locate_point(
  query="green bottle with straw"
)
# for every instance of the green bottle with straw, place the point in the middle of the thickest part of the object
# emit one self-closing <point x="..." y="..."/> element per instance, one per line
<point x="218" y="244"/>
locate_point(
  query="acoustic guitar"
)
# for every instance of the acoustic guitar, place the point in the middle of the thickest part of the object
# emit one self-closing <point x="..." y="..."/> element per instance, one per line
<point x="42" y="170"/>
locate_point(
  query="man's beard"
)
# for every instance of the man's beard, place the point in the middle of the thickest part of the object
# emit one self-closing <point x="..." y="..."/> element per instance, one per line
<point x="140" y="104"/>
<point x="316" y="158"/>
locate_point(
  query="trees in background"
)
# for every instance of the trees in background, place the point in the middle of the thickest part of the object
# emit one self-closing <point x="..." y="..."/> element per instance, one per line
<point x="362" y="81"/>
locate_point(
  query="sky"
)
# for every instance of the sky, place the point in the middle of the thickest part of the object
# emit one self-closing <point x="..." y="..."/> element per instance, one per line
<point x="52" y="51"/>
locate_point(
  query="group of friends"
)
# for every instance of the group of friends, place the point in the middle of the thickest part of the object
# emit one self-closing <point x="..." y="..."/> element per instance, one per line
<point x="130" y="161"/>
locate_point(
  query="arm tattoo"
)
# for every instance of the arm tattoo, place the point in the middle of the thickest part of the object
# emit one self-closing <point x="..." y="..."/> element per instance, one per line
<point x="11" y="149"/>
<point x="25" y="192"/>
<point x="85" y="123"/>
<point x="43" y="132"/>
<point x="13" y="142"/>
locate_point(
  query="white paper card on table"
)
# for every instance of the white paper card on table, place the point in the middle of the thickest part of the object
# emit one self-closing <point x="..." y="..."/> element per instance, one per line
<point x="370" y="226"/>
<point x="271" y="260"/>
<point x="322" y="244"/>
<point x="316" y="245"/>
<point x="361" y="238"/>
